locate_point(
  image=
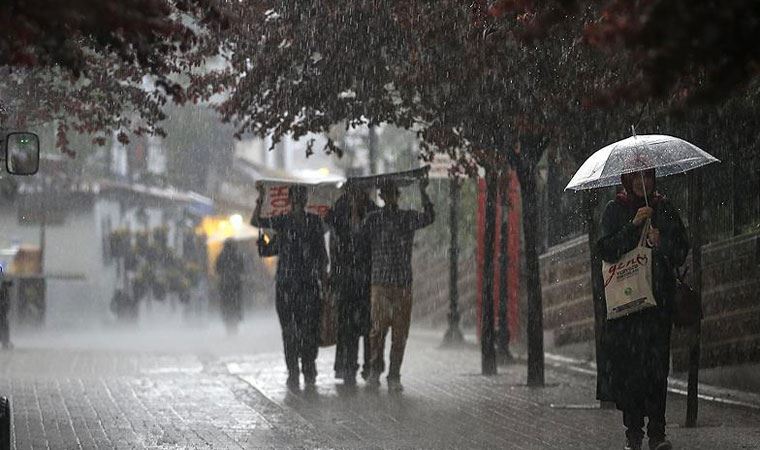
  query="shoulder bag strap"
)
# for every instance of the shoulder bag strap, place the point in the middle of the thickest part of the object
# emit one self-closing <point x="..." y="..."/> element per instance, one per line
<point x="644" y="233"/>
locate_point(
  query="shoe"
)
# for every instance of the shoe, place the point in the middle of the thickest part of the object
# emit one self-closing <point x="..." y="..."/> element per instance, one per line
<point x="349" y="380"/>
<point x="660" y="445"/>
<point x="365" y="374"/>
<point x="632" y="444"/>
<point x="394" y="385"/>
<point x="310" y="379"/>
<point x="293" y="382"/>
<point x="373" y="381"/>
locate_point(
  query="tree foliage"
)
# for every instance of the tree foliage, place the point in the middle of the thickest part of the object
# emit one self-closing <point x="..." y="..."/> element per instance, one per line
<point x="473" y="74"/>
<point x="696" y="51"/>
<point x="100" y="66"/>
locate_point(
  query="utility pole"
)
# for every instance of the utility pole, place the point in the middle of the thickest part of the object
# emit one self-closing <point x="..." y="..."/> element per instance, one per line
<point x="373" y="149"/>
<point x="279" y="149"/>
<point x="453" y="335"/>
<point x="695" y="226"/>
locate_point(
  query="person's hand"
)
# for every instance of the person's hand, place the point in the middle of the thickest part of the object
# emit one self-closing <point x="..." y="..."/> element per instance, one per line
<point x="653" y="238"/>
<point x="642" y="215"/>
<point x="262" y="192"/>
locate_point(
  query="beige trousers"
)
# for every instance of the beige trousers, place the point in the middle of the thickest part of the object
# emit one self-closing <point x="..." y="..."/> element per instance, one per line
<point x="391" y="308"/>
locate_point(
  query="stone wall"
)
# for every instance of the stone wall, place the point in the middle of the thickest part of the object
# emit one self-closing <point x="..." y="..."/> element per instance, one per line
<point x="731" y="300"/>
<point x="731" y="303"/>
<point x="431" y="286"/>
<point x="566" y="283"/>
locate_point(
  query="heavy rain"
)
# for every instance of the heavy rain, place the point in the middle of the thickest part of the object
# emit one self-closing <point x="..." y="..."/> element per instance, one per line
<point x="379" y="224"/>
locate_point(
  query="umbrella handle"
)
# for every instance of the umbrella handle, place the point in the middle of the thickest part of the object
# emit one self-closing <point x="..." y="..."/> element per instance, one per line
<point x="644" y="188"/>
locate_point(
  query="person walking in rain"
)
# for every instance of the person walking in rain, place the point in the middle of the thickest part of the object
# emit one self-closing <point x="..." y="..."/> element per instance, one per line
<point x="350" y="280"/>
<point x="391" y="231"/>
<point x="301" y="273"/>
<point x="229" y="268"/>
<point x="640" y="342"/>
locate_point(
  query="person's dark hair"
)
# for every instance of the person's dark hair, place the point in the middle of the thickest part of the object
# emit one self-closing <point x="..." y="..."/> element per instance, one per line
<point x="297" y="191"/>
<point x="627" y="180"/>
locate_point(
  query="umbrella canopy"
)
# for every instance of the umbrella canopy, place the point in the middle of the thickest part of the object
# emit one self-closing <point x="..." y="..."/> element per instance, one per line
<point x="401" y="179"/>
<point x="668" y="155"/>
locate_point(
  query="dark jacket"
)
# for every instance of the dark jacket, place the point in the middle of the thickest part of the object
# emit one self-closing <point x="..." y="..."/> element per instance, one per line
<point x="302" y="256"/>
<point x="639" y="345"/>
<point x="352" y="256"/>
<point x="352" y="267"/>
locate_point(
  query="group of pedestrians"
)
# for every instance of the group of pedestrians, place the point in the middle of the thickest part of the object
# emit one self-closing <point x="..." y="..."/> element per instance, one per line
<point x="370" y="278"/>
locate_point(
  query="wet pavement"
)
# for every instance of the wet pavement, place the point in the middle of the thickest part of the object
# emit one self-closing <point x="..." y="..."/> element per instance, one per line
<point x="199" y="389"/>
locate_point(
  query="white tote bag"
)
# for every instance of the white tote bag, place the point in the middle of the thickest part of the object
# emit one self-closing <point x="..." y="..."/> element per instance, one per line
<point x="628" y="282"/>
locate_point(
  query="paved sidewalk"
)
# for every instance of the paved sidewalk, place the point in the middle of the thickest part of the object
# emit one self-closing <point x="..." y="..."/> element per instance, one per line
<point x="171" y="397"/>
<point x="99" y="400"/>
<point x="448" y="404"/>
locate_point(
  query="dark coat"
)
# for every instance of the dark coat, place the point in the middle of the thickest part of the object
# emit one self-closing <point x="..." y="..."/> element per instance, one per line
<point x="352" y="267"/>
<point x="638" y="345"/>
<point x="302" y="256"/>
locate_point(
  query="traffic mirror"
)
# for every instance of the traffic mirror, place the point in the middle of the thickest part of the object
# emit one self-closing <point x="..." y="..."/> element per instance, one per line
<point x="22" y="153"/>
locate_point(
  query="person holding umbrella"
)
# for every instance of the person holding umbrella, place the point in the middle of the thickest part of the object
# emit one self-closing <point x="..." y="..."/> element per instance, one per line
<point x="640" y="342"/>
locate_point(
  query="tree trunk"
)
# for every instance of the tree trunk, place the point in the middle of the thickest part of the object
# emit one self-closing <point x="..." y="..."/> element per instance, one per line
<point x="373" y="150"/>
<point x="527" y="175"/>
<point x="505" y="356"/>
<point x="453" y="335"/>
<point x="488" y="352"/>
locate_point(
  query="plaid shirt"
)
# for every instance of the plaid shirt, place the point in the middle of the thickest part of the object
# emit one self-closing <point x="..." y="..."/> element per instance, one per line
<point x="391" y="232"/>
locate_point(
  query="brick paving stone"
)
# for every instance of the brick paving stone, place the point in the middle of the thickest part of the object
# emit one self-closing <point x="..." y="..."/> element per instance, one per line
<point x="128" y="399"/>
<point x="448" y="404"/>
<point x="85" y="399"/>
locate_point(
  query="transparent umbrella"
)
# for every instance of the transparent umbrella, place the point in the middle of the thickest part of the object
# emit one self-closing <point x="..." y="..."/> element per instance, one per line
<point x="668" y="155"/>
